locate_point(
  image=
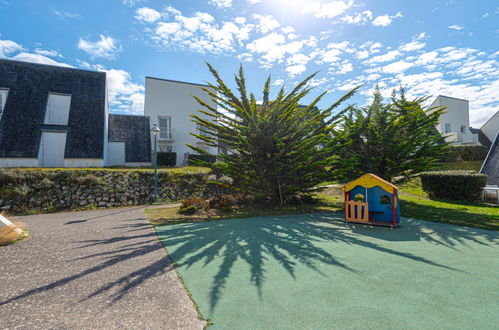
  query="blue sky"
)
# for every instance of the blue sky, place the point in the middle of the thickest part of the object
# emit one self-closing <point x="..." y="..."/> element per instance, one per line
<point x="448" y="47"/>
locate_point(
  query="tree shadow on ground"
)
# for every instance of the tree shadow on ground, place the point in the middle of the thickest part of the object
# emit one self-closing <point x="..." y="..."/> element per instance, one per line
<point x="290" y="240"/>
<point x="134" y="241"/>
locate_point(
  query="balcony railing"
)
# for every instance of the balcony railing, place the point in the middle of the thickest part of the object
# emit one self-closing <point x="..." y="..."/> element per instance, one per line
<point x="167" y="135"/>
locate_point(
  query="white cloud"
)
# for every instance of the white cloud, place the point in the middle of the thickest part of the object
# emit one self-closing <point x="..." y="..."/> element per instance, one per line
<point x="359" y="18"/>
<point x="426" y="58"/>
<point x="327" y="9"/>
<point x="37" y="58"/>
<point x="147" y="15"/>
<point x="455" y="27"/>
<point x="105" y="47"/>
<point x="297" y="69"/>
<point x="278" y="82"/>
<point x="47" y="52"/>
<point x="397" y="67"/>
<point x="288" y="29"/>
<point x="298" y="59"/>
<point x="8" y="47"/>
<point x="273" y="47"/>
<point x="412" y="46"/>
<point x="64" y="15"/>
<point x="345" y="67"/>
<point x="385" y="20"/>
<point x="221" y="3"/>
<point x="266" y="23"/>
<point x="391" y="55"/>
<point x="198" y="33"/>
<point x="131" y="3"/>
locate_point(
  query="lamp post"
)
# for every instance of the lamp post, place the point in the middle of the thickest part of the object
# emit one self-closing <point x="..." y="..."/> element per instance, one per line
<point x="155" y="132"/>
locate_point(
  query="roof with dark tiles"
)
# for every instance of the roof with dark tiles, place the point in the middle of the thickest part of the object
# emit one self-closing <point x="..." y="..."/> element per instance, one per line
<point x="491" y="164"/>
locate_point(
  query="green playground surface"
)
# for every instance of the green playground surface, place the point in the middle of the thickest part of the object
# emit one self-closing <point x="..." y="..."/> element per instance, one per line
<point x="315" y="272"/>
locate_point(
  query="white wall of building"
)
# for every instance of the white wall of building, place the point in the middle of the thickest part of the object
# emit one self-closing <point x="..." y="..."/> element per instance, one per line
<point x="175" y="99"/>
<point x="491" y="127"/>
<point x="457" y="118"/>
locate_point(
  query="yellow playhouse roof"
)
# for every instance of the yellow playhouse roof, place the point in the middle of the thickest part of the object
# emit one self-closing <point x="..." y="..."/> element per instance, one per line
<point x="370" y="180"/>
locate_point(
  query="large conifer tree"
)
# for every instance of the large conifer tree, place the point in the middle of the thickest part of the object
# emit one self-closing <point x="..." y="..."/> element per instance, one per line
<point x="392" y="139"/>
<point x="277" y="149"/>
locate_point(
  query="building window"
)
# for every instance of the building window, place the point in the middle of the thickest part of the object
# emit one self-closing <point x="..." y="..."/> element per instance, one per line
<point x="447" y="128"/>
<point x="57" y="112"/>
<point x="165" y="125"/>
<point x="463" y="129"/>
<point x="200" y="132"/>
<point x="3" y="99"/>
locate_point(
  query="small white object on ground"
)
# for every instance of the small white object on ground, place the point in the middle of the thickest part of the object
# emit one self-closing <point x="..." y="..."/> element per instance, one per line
<point x="7" y="222"/>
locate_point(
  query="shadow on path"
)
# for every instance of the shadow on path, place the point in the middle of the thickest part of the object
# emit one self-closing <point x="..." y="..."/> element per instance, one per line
<point x="292" y="240"/>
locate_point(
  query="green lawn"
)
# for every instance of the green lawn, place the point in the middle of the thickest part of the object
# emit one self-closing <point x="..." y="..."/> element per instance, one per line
<point x="315" y="272"/>
<point x="461" y="165"/>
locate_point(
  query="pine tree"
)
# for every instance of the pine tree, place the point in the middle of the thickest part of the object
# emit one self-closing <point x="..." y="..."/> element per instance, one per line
<point x="391" y="139"/>
<point x="277" y="149"/>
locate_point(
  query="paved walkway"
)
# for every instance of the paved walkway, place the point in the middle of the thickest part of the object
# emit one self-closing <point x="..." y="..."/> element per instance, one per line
<point x="91" y="270"/>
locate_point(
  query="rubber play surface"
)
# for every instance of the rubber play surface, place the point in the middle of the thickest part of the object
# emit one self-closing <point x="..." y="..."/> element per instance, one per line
<point x="315" y="272"/>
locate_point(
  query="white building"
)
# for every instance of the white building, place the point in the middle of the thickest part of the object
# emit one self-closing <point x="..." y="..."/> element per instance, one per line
<point x="170" y="104"/>
<point x="455" y="122"/>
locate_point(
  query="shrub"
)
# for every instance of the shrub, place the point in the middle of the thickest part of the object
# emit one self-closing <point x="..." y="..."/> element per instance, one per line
<point x="467" y="153"/>
<point x="456" y="185"/>
<point x="222" y="202"/>
<point x="167" y="158"/>
<point x="201" y="159"/>
<point x="192" y="205"/>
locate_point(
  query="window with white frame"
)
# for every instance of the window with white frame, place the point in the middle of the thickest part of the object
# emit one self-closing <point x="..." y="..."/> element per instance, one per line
<point x="199" y="129"/>
<point x="3" y="99"/>
<point x="447" y="128"/>
<point x="57" y="112"/>
<point x="165" y="125"/>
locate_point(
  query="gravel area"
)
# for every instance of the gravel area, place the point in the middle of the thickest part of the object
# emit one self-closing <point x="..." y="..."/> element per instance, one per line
<point x="100" y="269"/>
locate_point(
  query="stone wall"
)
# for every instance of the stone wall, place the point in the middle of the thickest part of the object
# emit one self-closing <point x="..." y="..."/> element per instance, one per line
<point x="39" y="190"/>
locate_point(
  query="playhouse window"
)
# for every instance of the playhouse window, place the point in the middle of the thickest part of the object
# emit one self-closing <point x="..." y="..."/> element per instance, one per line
<point x="385" y="199"/>
<point x="359" y="198"/>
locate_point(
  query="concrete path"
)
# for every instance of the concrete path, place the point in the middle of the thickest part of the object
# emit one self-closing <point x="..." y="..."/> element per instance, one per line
<point x="101" y="269"/>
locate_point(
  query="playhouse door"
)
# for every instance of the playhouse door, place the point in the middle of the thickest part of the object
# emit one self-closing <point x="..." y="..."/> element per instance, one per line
<point x="357" y="211"/>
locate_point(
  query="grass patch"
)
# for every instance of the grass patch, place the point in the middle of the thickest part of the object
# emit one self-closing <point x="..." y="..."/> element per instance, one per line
<point x="461" y="165"/>
<point x="415" y="203"/>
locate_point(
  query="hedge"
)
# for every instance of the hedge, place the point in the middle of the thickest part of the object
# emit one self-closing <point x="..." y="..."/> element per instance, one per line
<point x="455" y="185"/>
<point x="200" y="159"/>
<point x="467" y="153"/>
<point x="167" y="158"/>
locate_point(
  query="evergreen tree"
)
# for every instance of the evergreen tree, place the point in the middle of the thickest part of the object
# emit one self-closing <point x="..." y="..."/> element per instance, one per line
<point x="276" y="148"/>
<point x="391" y="139"/>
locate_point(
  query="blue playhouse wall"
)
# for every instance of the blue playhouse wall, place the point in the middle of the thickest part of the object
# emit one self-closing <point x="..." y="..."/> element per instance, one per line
<point x="374" y="195"/>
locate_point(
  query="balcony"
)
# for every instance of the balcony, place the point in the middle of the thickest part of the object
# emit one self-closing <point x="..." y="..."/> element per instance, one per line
<point x="167" y="135"/>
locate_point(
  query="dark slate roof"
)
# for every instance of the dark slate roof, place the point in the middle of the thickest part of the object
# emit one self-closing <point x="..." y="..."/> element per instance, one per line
<point x="135" y="132"/>
<point x="491" y="163"/>
<point x="482" y="138"/>
<point x="29" y="85"/>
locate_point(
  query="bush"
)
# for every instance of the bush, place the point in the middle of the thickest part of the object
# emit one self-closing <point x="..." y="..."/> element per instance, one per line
<point x="456" y="185"/>
<point x="167" y="158"/>
<point x="200" y="159"/>
<point x="222" y="202"/>
<point x="192" y="205"/>
<point x="467" y="153"/>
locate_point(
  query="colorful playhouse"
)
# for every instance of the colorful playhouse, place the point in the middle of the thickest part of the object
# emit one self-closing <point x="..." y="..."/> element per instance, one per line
<point x="372" y="200"/>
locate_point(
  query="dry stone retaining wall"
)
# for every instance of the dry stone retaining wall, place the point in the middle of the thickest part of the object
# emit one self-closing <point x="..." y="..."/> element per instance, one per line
<point x="28" y="191"/>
